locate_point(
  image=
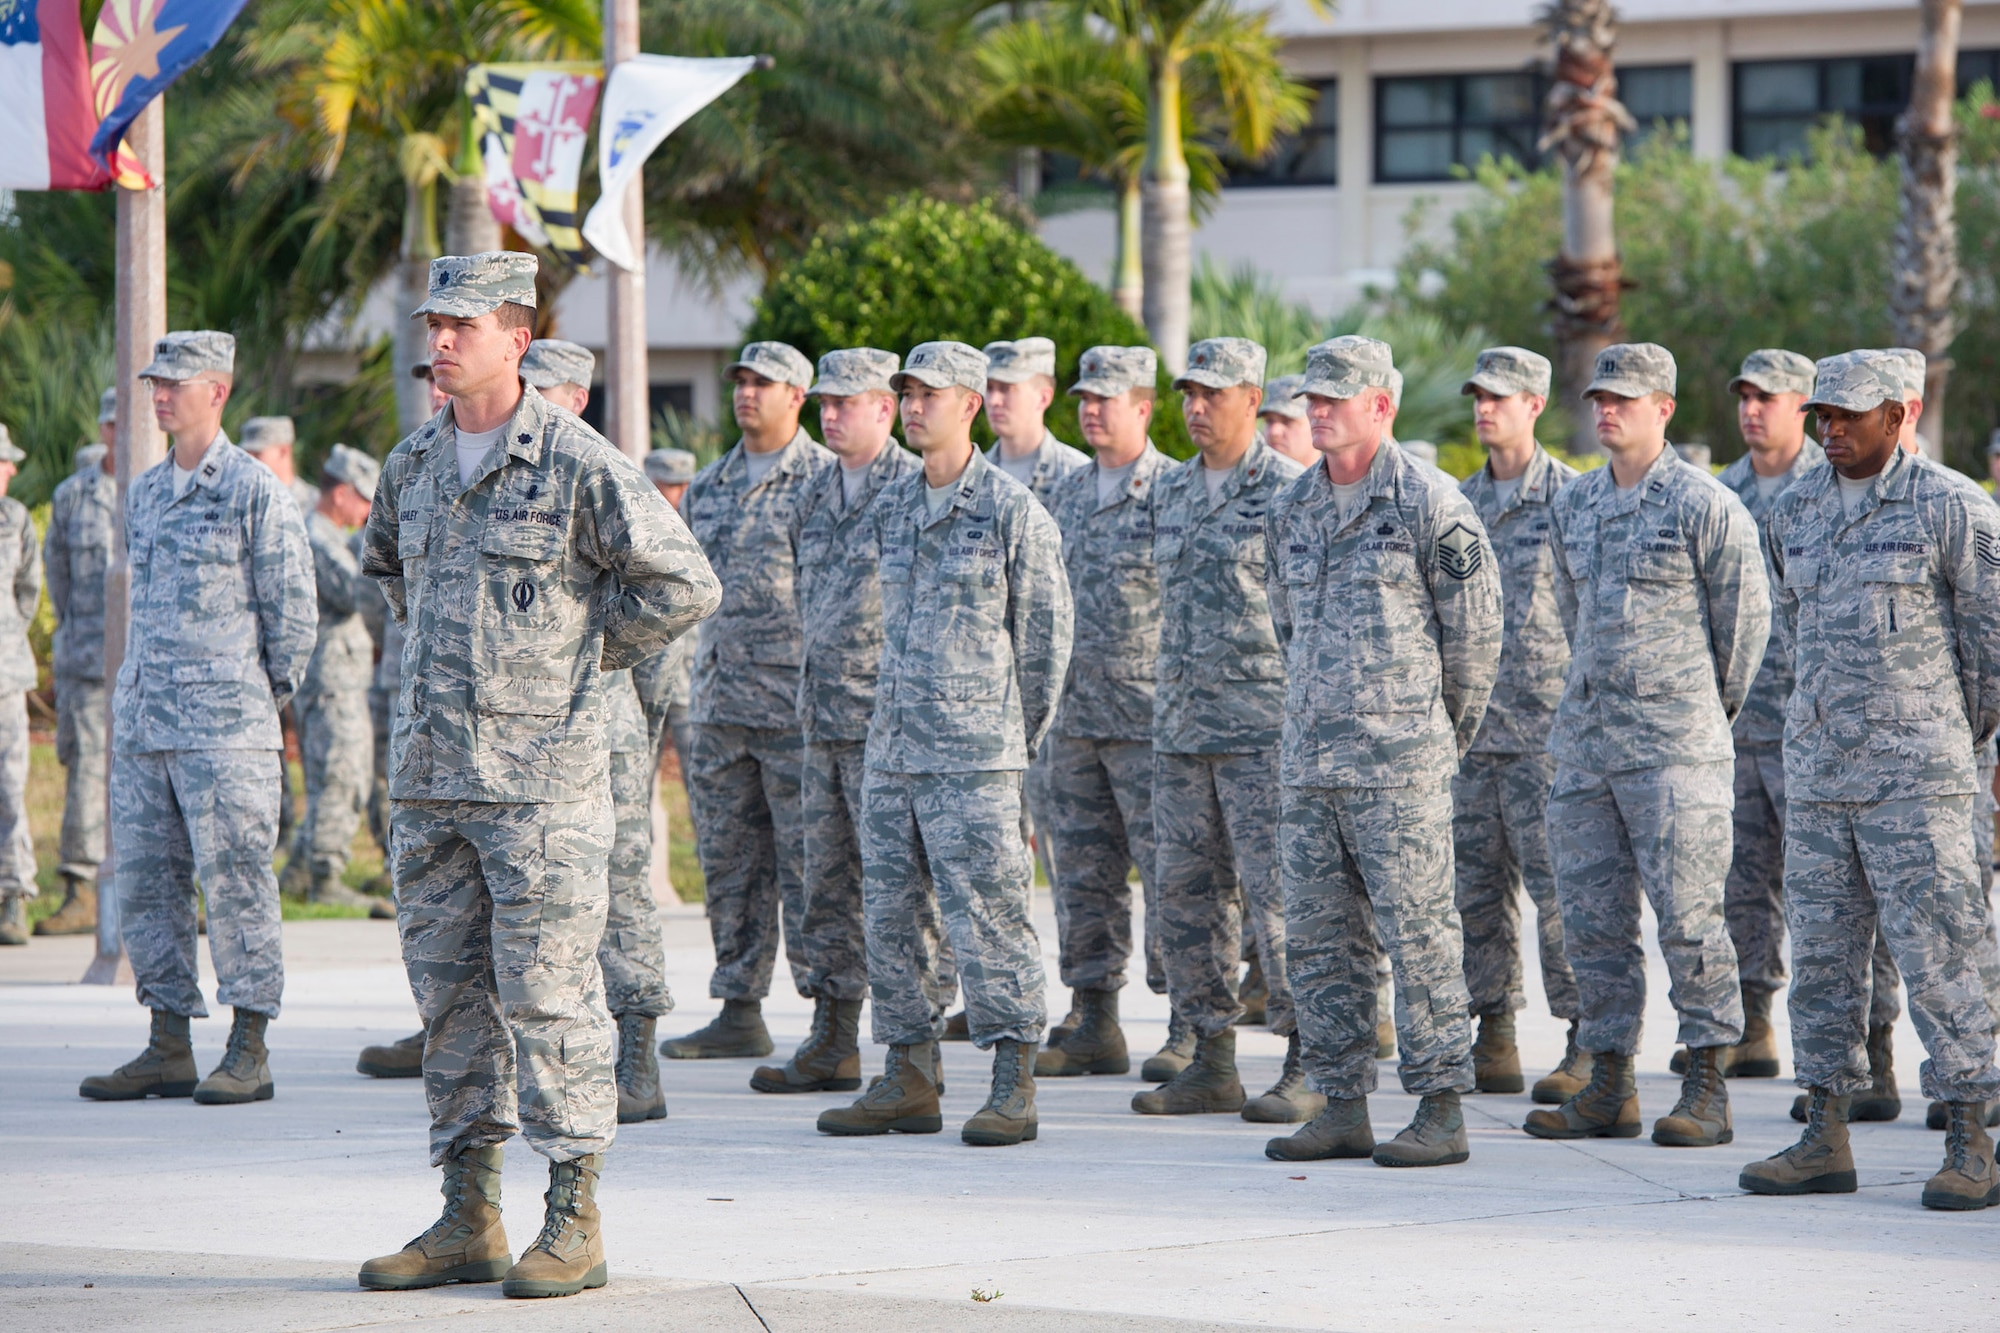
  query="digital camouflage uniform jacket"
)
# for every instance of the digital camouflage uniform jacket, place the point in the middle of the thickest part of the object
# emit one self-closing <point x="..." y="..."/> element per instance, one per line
<point x="1762" y="721"/>
<point x="977" y="629"/>
<point x="21" y="575"/>
<point x="223" y="607"/>
<point x="75" y="554"/>
<point x="344" y="653"/>
<point x="840" y="597"/>
<point x="1221" y="677"/>
<point x="1390" y="616"/>
<point x="1053" y="461"/>
<point x="1894" y="621"/>
<point x="1115" y="590"/>
<point x="746" y="660"/>
<point x="558" y="562"/>
<point x="1663" y="591"/>
<point x="1534" y="652"/>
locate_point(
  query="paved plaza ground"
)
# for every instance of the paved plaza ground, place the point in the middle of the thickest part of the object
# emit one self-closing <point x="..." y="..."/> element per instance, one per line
<point x="733" y="1214"/>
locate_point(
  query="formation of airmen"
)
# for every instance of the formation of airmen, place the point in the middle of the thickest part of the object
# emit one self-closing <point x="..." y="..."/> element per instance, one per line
<point x="1330" y="708"/>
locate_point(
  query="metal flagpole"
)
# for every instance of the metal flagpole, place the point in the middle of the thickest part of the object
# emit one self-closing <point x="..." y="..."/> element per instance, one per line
<point x="626" y="415"/>
<point x="142" y="321"/>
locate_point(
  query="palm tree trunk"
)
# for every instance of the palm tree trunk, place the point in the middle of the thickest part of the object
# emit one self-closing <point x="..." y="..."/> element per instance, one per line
<point x="1584" y="120"/>
<point x="1164" y="195"/>
<point x="420" y="246"/>
<point x="1127" y="264"/>
<point x="1925" y="275"/>
<point x="471" y="228"/>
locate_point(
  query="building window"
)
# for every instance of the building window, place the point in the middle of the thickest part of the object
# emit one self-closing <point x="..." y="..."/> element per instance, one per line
<point x="680" y="397"/>
<point x="1427" y="127"/>
<point x="1309" y="157"/>
<point x="1657" y="96"/>
<point x="1779" y="101"/>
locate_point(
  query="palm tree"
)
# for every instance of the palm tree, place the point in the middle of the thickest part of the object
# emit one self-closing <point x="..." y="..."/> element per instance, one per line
<point x="1925" y="277"/>
<point x="1195" y="47"/>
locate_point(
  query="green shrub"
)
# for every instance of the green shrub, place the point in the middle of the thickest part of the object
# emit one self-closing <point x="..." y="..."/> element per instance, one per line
<point x="926" y="270"/>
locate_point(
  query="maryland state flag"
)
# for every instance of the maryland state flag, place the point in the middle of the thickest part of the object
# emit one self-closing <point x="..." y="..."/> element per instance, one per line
<point x="532" y="122"/>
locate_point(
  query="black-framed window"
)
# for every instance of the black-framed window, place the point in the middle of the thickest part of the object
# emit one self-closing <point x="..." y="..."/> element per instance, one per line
<point x="1309" y="157"/>
<point x="680" y="397"/>
<point x="1657" y="96"/>
<point x="1778" y="102"/>
<point x="1427" y="125"/>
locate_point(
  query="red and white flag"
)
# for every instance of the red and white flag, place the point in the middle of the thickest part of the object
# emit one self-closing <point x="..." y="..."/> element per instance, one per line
<point x="46" y="115"/>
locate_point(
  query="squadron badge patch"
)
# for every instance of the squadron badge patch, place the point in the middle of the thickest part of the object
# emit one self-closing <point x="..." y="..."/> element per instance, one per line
<point x="1459" y="553"/>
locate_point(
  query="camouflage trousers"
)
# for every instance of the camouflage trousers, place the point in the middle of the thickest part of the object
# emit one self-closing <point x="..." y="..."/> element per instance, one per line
<point x="501" y="908"/>
<point x="1753" y="897"/>
<point x="664" y="727"/>
<point x="1358" y="865"/>
<point x="947" y="846"/>
<point x="337" y="742"/>
<point x="182" y="816"/>
<point x="633" y="954"/>
<point x="836" y="941"/>
<point x="1037" y="814"/>
<point x="1216" y="820"/>
<point x="1905" y="868"/>
<point x="1885" y="1003"/>
<point x="17" y="844"/>
<point x="1663" y="832"/>
<point x="743" y="792"/>
<point x="82" y="711"/>
<point x="1101" y="802"/>
<point x="381" y="720"/>
<point x="1500" y="845"/>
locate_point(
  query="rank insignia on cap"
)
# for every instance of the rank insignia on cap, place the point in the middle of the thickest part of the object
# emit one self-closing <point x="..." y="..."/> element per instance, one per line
<point x="1458" y="551"/>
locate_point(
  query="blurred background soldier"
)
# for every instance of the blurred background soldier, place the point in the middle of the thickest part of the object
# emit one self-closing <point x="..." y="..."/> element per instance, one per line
<point x="270" y="441"/>
<point x="666" y="679"/>
<point x="336" y="739"/>
<point x="21" y="577"/>
<point x="222" y="625"/>
<point x="75" y="554"/>
<point x="1283" y="414"/>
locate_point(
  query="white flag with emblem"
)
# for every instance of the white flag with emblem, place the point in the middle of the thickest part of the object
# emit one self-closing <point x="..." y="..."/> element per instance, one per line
<point x="646" y="99"/>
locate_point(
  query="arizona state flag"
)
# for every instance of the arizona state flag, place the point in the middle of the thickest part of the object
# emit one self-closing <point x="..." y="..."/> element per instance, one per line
<point x="139" y="49"/>
<point x="45" y="113"/>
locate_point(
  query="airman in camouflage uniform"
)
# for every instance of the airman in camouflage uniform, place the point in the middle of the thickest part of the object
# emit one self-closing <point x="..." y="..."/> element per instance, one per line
<point x="976" y="622"/>
<point x="1501" y="794"/>
<point x="75" y="554"/>
<point x="1385" y="596"/>
<point x="1663" y="590"/>
<point x="840" y="611"/>
<point x="521" y="575"/>
<point x="1099" y="751"/>
<point x="1219" y="702"/>
<point x="1286" y="429"/>
<point x="222" y="615"/>
<point x="1887" y="574"/>
<point x="666" y="679"/>
<point x="1772" y="384"/>
<point x="336" y="737"/>
<point x="743" y="775"/>
<point x="271" y="441"/>
<point x="21" y="574"/>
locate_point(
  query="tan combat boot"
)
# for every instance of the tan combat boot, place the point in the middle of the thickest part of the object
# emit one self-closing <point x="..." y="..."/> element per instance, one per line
<point x="1967" y="1180"/>
<point x="1290" y="1100"/>
<point x="164" y="1069"/>
<point x="1009" y="1114"/>
<point x="1174" y="1056"/>
<point x="13" y="920"/>
<point x="637" y="1071"/>
<point x="1071" y="1021"/>
<point x="1882" y="1101"/>
<point x="828" y="1060"/>
<point x="1208" y="1086"/>
<point x="1938" y="1115"/>
<point x="737" y="1033"/>
<point x="1700" y="1119"/>
<point x="1566" y="1079"/>
<point x="1819" y="1163"/>
<point x="903" y="1100"/>
<point x="244" y="1075"/>
<point x="466" y="1243"/>
<point x="399" y="1059"/>
<point x="1434" y="1137"/>
<point x="326" y="889"/>
<point x="1756" y="1056"/>
<point x="1607" y="1107"/>
<point x="78" y="913"/>
<point x="1496" y="1060"/>
<point x="1341" y="1130"/>
<point x="569" y="1254"/>
<point x="1095" y="1045"/>
<point x="1254" y="995"/>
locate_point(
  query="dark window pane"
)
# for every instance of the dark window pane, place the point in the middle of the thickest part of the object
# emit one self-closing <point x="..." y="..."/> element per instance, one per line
<point x="1791" y="85"/>
<point x="1499" y="97"/>
<point x="1973" y="66"/>
<point x="1416" y="102"/>
<point x="1310" y="157"/>
<point x="1415" y="155"/>
<point x="1664" y="92"/>
<point x="1326" y="104"/>
<point x="1774" y="136"/>
<point x="1885" y="82"/>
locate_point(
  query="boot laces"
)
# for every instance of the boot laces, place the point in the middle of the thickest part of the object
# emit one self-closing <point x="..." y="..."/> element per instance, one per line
<point x="1431" y="1116"/>
<point x="888" y="1085"/>
<point x="1958" y="1136"/>
<point x="629" y="1054"/>
<point x="1291" y="1079"/>
<point x="1006" y="1072"/>
<point x="1702" y="1080"/>
<point x="560" y="1201"/>
<point x="456" y="1186"/>
<point x="236" y="1058"/>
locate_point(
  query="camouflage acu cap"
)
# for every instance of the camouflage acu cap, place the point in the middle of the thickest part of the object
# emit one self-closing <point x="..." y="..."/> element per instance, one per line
<point x="468" y="286"/>
<point x="1283" y="399"/>
<point x="551" y="361"/>
<point x="1633" y="370"/>
<point x="1506" y="371"/>
<point x="1022" y="359"/>
<point x="670" y="467"/>
<point x="853" y="370"/>
<point x="780" y="363"/>
<point x="9" y="451"/>
<point x="1342" y="367"/>
<point x="107" y="407"/>
<point x="261" y="433"/>
<point x="941" y="363"/>
<point x="1396" y="389"/>
<point x="1774" y="370"/>
<point x="182" y="356"/>
<point x="89" y="456"/>
<point x="355" y="468"/>
<point x="1910" y="367"/>
<point x="1110" y="371"/>
<point x="1856" y="381"/>
<point x="1222" y="363"/>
